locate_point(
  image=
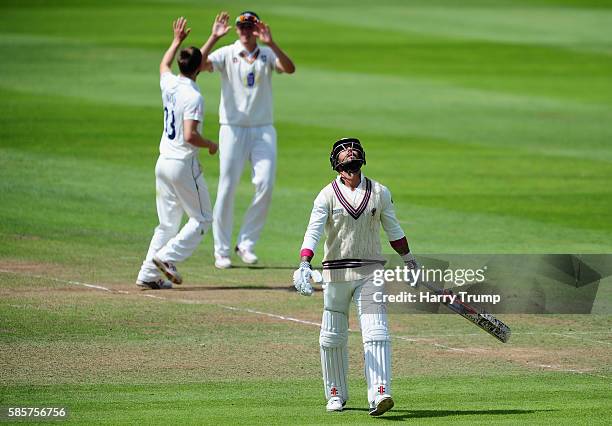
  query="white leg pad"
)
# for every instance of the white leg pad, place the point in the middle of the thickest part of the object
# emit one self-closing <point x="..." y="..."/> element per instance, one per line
<point x="334" y="354"/>
<point x="378" y="368"/>
<point x="377" y="354"/>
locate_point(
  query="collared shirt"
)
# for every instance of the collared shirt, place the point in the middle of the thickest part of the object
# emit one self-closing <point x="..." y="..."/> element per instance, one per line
<point x="182" y="100"/>
<point x="250" y="55"/>
<point x="321" y="212"/>
<point x="246" y="84"/>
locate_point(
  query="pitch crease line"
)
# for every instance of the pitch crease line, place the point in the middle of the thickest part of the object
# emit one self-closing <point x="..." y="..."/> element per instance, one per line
<point x="232" y="308"/>
<point x="253" y="311"/>
<point x="581" y="338"/>
<point x="59" y="280"/>
<point x="569" y="370"/>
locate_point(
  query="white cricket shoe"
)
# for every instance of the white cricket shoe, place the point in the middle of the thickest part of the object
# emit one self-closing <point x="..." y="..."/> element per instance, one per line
<point x="335" y="403"/>
<point x="223" y="262"/>
<point x="247" y="256"/>
<point x="169" y="270"/>
<point x="160" y="284"/>
<point x="382" y="404"/>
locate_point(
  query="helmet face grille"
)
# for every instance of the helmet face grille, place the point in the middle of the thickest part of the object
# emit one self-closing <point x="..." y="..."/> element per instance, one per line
<point x="355" y="158"/>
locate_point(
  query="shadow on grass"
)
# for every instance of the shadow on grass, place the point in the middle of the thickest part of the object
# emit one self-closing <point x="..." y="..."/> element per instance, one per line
<point x="395" y="415"/>
<point x="289" y="289"/>
<point x="234" y="287"/>
<point x="288" y="268"/>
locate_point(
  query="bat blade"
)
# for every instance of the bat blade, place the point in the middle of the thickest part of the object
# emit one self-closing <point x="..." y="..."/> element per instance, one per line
<point x="484" y="320"/>
<point x="480" y="318"/>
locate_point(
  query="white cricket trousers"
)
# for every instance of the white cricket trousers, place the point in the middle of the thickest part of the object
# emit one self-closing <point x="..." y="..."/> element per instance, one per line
<point x="333" y="338"/>
<point x="180" y="188"/>
<point x="236" y="145"/>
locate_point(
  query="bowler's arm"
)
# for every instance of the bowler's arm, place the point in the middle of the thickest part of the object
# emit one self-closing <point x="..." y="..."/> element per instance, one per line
<point x="180" y="34"/>
<point x="220" y="27"/>
<point x="207" y="64"/>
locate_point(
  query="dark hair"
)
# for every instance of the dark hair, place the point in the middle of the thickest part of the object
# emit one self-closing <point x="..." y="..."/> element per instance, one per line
<point x="189" y="60"/>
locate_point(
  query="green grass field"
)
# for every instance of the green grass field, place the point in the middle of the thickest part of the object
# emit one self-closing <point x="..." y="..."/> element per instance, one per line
<point x="488" y="120"/>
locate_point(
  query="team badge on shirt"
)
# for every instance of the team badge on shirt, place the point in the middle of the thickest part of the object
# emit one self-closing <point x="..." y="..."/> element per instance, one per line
<point x="250" y="80"/>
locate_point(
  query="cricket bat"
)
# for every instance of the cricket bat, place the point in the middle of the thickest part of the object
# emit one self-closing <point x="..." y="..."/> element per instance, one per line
<point x="482" y="319"/>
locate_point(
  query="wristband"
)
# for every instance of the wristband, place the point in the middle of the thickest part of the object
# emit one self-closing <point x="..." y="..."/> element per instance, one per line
<point x="307" y="252"/>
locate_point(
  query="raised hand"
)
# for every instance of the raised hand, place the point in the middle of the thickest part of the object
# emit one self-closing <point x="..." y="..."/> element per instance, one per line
<point x="180" y="33"/>
<point x="221" y="25"/>
<point x="262" y="31"/>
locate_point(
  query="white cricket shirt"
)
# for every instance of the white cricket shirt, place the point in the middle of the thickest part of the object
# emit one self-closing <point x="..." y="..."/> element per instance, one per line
<point x="246" y="88"/>
<point x="322" y="212"/>
<point x="351" y="220"/>
<point x="182" y="101"/>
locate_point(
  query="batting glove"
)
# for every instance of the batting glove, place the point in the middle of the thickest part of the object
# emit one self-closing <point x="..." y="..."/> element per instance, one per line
<point x="413" y="266"/>
<point x="302" y="278"/>
<point x="410" y="261"/>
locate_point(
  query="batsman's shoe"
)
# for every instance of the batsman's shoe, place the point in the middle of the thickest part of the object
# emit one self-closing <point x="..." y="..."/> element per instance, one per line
<point x="335" y="403"/>
<point x="169" y="270"/>
<point x="247" y="256"/>
<point x="160" y="284"/>
<point x="382" y="404"/>
<point x="223" y="262"/>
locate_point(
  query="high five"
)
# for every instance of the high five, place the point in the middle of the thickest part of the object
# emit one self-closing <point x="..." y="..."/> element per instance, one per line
<point x="179" y="182"/>
<point x="247" y="131"/>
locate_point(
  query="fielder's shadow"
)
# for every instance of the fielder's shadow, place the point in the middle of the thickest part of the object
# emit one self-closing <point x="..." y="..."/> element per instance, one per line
<point x="289" y="289"/>
<point x="255" y="267"/>
<point x="395" y="415"/>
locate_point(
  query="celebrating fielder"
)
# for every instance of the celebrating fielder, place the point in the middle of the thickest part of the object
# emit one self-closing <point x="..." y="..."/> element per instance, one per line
<point x="350" y="211"/>
<point x="179" y="183"/>
<point x="247" y="131"/>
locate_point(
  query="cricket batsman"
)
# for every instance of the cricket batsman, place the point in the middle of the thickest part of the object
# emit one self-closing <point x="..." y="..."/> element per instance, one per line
<point x="350" y="210"/>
